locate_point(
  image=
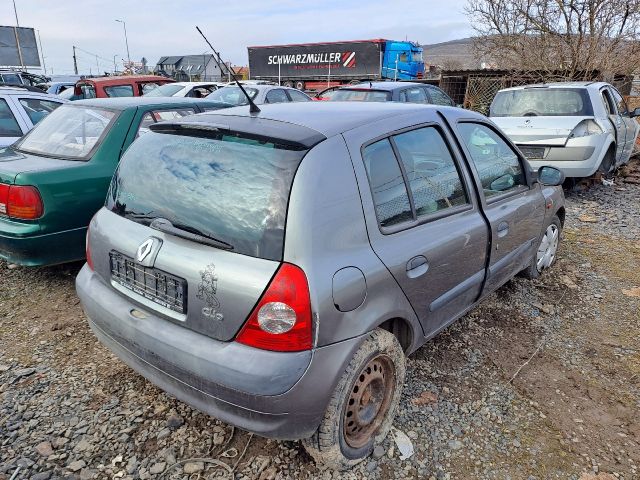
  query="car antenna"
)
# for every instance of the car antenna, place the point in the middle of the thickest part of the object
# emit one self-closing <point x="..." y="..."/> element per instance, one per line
<point x="253" y="108"/>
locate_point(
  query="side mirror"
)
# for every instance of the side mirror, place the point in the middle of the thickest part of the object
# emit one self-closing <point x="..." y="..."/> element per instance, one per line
<point x="550" y="176"/>
<point x="635" y="113"/>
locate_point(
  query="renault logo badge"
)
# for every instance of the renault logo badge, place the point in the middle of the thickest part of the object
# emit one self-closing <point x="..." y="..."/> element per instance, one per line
<point x="144" y="249"/>
<point x="148" y="251"/>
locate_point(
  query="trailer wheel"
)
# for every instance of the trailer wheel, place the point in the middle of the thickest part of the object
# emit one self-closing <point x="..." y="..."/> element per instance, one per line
<point x="300" y="85"/>
<point x="355" y="82"/>
<point x="288" y="84"/>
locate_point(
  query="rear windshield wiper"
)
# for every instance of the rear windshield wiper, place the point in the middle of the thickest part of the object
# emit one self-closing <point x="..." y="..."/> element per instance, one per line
<point x="189" y="233"/>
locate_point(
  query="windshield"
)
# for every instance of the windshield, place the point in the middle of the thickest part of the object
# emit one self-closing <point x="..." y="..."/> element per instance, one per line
<point x="166" y="90"/>
<point x="231" y="188"/>
<point x="232" y="95"/>
<point x="532" y="102"/>
<point x="68" y="132"/>
<point x="352" y="95"/>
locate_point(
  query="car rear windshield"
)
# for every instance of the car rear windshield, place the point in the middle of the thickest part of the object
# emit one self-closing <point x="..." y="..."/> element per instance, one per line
<point x="233" y="95"/>
<point x="225" y="186"/>
<point x="353" y="95"/>
<point x="548" y="102"/>
<point x="69" y="132"/>
<point x="166" y="90"/>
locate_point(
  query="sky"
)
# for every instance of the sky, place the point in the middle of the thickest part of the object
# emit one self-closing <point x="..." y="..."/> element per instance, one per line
<point x="167" y="27"/>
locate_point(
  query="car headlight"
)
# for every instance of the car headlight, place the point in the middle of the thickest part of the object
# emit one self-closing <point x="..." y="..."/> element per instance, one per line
<point x="586" y="128"/>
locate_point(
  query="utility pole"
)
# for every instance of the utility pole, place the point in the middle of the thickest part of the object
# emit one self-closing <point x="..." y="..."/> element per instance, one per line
<point x="126" y="41"/>
<point x="75" y="61"/>
<point x="15" y="10"/>
<point x="98" y="64"/>
<point x="115" y="68"/>
<point x="44" y="65"/>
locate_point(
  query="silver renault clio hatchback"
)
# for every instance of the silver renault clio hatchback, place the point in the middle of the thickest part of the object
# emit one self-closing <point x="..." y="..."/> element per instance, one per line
<point x="274" y="269"/>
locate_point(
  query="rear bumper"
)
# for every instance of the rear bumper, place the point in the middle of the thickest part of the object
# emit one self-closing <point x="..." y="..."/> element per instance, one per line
<point x="23" y="244"/>
<point x="277" y="395"/>
<point x="581" y="157"/>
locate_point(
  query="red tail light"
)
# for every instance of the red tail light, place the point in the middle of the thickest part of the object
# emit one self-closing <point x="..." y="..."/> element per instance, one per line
<point x="20" y="202"/>
<point x="281" y="321"/>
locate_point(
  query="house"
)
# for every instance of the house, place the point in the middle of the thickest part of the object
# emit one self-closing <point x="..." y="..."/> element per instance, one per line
<point x="190" y="68"/>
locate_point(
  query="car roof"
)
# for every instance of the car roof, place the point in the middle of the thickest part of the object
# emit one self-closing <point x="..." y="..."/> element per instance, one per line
<point x="127" y="79"/>
<point x="386" y="86"/>
<point x="122" y="103"/>
<point x="193" y="84"/>
<point x="327" y="118"/>
<point x="596" y="85"/>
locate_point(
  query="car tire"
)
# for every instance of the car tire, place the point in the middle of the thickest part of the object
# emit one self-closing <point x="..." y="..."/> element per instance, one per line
<point x="300" y="85"/>
<point x="370" y="387"/>
<point x="546" y="253"/>
<point x="288" y="84"/>
<point x="608" y="162"/>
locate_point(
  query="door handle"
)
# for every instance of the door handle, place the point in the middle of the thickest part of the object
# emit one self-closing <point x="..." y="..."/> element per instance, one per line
<point x="503" y="229"/>
<point x="417" y="266"/>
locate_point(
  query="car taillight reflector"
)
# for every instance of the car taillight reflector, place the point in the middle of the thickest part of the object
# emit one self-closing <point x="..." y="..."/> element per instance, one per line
<point x="22" y="202"/>
<point x="88" y="250"/>
<point x="281" y="321"/>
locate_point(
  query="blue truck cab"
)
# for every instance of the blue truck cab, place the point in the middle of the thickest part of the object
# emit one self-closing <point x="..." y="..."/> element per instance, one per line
<point x="402" y="60"/>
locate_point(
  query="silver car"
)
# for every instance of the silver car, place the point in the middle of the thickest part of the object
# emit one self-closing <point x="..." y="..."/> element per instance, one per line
<point x="259" y="93"/>
<point x="274" y="269"/>
<point x="580" y="127"/>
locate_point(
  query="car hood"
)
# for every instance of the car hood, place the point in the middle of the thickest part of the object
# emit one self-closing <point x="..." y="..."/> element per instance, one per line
<point x="13" y="162"/>
<point x="538" y="130"/>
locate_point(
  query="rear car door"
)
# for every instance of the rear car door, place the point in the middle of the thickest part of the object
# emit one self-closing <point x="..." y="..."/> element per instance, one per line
<point x="12" y="125"/>
<point x="512" y="204"/>
<point x="422" y="219"/>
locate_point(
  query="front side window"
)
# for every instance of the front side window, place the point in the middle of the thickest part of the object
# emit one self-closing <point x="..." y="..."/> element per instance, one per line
<point x="277" y="95"/>
<point x="389" y="191"/>
<point x="11" y="78"/>
<point x="166" y="90"/>
<point x="69" y="132"/>
<point x="430" y="170"/>
<point x="542" y="101"/>
<point x="119" y="91"/>
<point x="232" y="188"/>
<point x="620" y="103"/>
<point x="497" y="164"/>
<point x="8" y="124"/>
<point x="37" y="108"/>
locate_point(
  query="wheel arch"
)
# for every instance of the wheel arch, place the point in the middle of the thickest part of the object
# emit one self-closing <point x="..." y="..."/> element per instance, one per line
<point x="403" y="330"/>
<point x="561" y="213"/>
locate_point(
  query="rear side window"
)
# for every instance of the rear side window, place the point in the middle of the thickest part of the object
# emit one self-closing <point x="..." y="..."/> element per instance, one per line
<point x="150" y="118"/>
<point x="232" y="188"/>
<point x="88" y="91"/>
<point x="37" y="108"/>
<point x="353" y="95"/>
<point x="387" y="185"/>
<point x="413" y="95"/>
<point x="8" y="125"/>
<point x="497" y="164"/>
<point x="119" y="91"/>
<point x="620" y="103"/>
<point x="276" y="95"/>
<point x="430" y="170"/>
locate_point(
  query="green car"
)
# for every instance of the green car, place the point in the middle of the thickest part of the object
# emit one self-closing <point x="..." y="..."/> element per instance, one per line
<point x="56" y="177"/>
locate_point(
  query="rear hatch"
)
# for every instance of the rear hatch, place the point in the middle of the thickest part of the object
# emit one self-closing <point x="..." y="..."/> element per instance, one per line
<point x="541" y="115"/>
<point x="543" y="131"/>
<point x="193" y="226"/>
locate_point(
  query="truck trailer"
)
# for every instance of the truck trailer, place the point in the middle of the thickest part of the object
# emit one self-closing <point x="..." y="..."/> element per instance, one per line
<point x="314" y="66"/>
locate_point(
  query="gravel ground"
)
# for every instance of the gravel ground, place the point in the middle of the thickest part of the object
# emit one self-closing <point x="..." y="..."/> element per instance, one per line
<point x="542" y="381"/>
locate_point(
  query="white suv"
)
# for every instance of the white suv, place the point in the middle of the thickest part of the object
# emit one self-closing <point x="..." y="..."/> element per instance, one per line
<point x="21" y="109"/>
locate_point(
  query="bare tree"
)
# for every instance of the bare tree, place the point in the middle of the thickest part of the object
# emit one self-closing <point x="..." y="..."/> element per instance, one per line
<point x="576" y="37"/>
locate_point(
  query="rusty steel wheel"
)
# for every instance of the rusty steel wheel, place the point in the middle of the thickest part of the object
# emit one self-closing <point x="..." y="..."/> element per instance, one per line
<point x="369" y="401"/>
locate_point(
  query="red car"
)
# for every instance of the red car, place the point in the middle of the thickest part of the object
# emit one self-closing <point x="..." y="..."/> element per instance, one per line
<point x="117" y="86"/>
